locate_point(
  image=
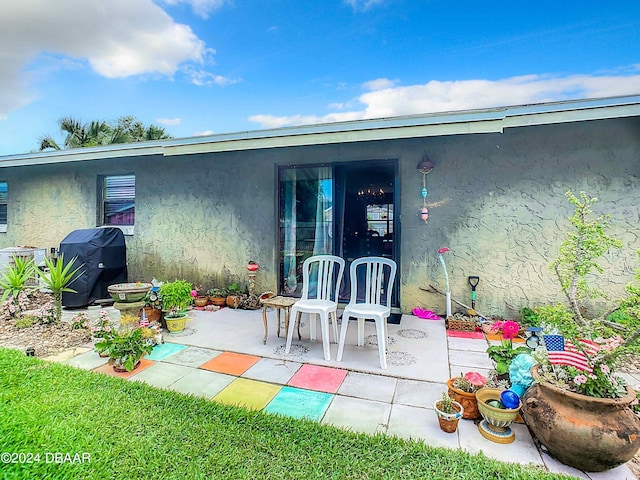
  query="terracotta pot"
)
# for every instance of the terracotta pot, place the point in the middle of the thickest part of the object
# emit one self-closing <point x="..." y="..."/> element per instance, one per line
<point x="467" y="400"/>
<point x="233" y="301"/>
<point x="153" y="314"/>
<point x="448" y="421"/>
<point x="219" y="301"/>
<point x="201" y="300"/>
<point x="588" y="433"/>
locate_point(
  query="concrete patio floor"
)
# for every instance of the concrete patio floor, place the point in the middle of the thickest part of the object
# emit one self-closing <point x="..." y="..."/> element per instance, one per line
<point x="220" y="356"/>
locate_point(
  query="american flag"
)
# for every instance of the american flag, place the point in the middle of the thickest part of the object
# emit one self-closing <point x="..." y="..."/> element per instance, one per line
<point x="563" y="352"/>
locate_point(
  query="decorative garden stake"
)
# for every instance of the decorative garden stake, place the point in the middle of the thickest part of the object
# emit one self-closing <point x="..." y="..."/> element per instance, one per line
<point x="424" y="167"/>
<point x="446" y="278"/>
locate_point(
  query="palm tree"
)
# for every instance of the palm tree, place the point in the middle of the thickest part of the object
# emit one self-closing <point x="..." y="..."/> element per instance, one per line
<point x="98" y="132"/>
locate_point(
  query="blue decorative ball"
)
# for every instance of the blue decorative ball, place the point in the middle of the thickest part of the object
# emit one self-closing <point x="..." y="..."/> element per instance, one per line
<point x="510" y="399"/>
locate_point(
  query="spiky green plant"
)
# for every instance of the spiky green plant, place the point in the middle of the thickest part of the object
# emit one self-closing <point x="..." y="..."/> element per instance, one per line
<point x="58" y="278"/>
<point x="16" y="275"/>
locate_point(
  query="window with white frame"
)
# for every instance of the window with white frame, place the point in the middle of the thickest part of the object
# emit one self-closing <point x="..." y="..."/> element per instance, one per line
<point x="3" y="206"/>
<point x="118" y="200"/>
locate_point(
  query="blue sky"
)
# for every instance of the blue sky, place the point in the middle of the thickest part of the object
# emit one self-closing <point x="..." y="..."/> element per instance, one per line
<point x="215" y="66"/>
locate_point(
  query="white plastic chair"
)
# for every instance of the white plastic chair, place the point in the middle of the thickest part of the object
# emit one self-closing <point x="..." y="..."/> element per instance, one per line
<point x="378" y="275"/>
<point x="321" y="279"/>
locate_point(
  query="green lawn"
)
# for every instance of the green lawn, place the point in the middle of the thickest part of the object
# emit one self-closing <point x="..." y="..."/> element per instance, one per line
<point x="129" y="430"/>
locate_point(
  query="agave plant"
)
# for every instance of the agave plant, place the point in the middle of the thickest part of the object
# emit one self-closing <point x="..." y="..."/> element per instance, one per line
<point x="15" y="276"/>
<point x="59" y="277"/>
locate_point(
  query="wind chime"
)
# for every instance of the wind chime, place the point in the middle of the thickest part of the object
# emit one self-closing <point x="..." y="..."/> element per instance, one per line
<point x="424" y="167"/>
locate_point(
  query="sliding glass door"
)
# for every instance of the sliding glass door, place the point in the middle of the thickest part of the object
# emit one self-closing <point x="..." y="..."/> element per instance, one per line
<point x="306" y="218"/>
<point x="346" y="209"/>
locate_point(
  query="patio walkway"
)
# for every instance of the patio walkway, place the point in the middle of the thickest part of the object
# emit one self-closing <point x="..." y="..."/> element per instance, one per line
<point x="220" y="356"/>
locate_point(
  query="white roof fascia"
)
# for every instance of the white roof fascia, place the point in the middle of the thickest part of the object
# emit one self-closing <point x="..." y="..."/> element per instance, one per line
<point x="493" y="120"/>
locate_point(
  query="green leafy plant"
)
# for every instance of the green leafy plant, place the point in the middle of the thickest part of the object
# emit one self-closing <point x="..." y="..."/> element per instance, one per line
<point x="25" y="322"/>
<point x="445" y="404"/>
<point x="176" y="297"/>
<point x="504" y="353"/>
<point x="58" y="277"/>
<point x="577" y="263"/>
<point x="580" y="251"/>
<point x="125" y="349"/>
<point x="217" y="292"/>
<point x="16" y="275"/>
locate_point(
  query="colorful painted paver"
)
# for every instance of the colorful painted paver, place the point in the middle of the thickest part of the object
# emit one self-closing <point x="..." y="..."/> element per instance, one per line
<point x="314" y="377"/>
<point x="231" y="363"/>
<point x="108" y="369"/>
<point x="164" y="350"/>
<point x="300" y="403"/>
<point x="249" y="394"/>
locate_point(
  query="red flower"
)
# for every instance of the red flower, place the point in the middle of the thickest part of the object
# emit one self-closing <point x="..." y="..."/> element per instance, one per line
<point x="443" y="250"/>
<point x="510" y="329"/>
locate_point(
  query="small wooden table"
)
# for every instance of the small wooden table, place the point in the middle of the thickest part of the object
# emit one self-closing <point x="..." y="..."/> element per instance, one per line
<point x="279" y="303"/>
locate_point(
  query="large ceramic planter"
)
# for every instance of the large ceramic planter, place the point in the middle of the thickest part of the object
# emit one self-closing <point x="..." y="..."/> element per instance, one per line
<point x="175" y="325"/>
<point x="590" y="434"/>
<point x="467" y="400"/>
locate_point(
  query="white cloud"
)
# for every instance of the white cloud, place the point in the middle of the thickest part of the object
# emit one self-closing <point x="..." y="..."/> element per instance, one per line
<point x="169" y="121"/>
<point x="362" y="5"/>
<point x="379" y="84"/>
<point x="437" y="96"/>
<point x="202" y="8"/>
<point x="203" y="78"/>
<point x="117" y="39"/>
<point x="203" y="134"/>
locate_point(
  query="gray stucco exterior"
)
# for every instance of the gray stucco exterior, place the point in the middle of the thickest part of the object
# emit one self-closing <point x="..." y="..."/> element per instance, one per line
<point x="496" y="199"/>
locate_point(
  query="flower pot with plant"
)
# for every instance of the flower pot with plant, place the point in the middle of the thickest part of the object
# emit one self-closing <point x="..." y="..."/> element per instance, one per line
<point x="125" y="349"/>
<point x="235" y="295"/>
<point x="575" y="376"/>
<point x="463" y="390"/>
<point x="153" y="305"/>
<point x="176" y="299"/>
<point x="218" y="296"/>
<point x="504" y="353"/>
<point x="449" y="413"/>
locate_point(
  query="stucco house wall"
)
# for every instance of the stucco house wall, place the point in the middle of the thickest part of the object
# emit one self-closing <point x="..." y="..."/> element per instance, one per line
<point x="495" y="199"/>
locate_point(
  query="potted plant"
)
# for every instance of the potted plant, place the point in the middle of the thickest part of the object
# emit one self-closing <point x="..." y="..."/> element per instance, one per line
<point x="463" y="390"/>
<point x="153" y="305"/>
<point x="102" y="329"/>
<point x="218" y="296"/>
<point x="176" y="298"/>
<point x="575" y="377"/>
<point x="449" y="412"/>
<point x="125" y="350"/>
<point x="235" y="295"/>
<point x="504" y="353"/>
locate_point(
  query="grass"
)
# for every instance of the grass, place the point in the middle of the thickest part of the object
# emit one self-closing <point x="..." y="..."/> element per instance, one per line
<point x="131" y="430"/>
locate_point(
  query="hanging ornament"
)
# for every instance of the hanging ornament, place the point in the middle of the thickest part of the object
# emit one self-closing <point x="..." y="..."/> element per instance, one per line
<point x="424" y="167"/>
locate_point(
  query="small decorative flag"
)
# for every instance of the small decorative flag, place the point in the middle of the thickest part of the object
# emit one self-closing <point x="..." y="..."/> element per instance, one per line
<point x="144" y="321"/>
<point x="563" y="352"/>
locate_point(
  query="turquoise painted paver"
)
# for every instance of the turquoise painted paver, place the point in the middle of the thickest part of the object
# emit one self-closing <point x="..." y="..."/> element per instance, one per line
<point x="300" y="403"/>
<point x="160" y="352"/>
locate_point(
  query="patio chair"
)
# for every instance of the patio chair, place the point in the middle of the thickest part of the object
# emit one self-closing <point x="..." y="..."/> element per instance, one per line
<point x="321" y="279"/>
<point x="372" y="281"/>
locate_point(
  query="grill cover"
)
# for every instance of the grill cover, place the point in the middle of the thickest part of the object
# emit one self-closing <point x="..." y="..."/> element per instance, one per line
<point x="102" y="252"/>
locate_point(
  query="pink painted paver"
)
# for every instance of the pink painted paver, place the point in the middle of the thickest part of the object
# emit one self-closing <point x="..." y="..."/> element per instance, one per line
<point x="321" y="379"/>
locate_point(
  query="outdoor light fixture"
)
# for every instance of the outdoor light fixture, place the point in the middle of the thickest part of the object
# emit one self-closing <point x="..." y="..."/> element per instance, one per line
<point x="424" y="167"/>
